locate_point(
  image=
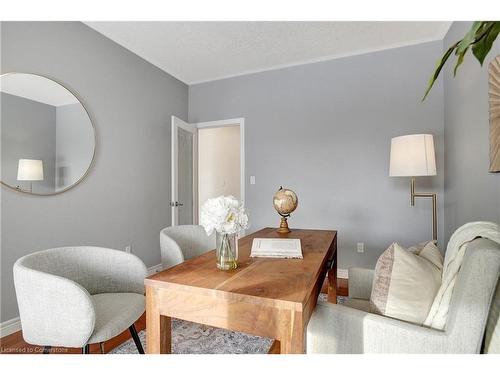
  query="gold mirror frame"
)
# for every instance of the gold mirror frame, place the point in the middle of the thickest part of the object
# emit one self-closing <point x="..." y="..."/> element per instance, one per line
<point x="93" y="129"/>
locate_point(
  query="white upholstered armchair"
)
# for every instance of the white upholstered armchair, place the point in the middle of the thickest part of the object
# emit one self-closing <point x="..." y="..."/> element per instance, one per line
<point x="76" y="296"/>
<point x="182" y="242"/>
<point x="350" y="328"/>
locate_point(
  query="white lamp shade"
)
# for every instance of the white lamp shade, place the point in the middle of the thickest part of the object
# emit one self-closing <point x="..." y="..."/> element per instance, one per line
<point x="30" y="170"/>
<point x="413" y="155"/>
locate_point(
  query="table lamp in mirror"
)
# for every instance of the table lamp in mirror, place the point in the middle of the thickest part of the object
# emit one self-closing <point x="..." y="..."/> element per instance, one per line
<point x="29" y="170"/>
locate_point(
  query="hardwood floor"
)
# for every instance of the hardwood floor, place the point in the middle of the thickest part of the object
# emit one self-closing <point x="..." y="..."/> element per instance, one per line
<point x="14" y="343"/>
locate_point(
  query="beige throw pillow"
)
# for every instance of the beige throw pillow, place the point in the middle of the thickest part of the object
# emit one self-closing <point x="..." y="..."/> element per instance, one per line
<point x="416" y="249"/>
<point x="405" y="283"/>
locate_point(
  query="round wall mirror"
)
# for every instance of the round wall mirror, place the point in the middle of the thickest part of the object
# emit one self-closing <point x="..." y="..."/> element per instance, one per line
<point x="48" y="139"/>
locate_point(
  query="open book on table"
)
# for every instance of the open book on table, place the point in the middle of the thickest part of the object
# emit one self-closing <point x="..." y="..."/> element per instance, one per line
<point x="276" y="248"/>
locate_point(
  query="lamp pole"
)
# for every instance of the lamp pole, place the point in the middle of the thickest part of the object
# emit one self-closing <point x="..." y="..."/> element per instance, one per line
<point x="414" y="195"/>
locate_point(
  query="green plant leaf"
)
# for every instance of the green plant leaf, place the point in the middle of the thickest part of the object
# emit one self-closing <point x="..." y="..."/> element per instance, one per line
<point x="439" y="67"/>
<point x="481" y="48"/>
<point x="460" y="60"/>
<point x="469" y="38"/>
<point x="479" y="39"/>
<point x="475" y="32"/>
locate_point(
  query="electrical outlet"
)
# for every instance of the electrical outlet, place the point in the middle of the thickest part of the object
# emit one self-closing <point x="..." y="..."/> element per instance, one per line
<point x="252" y="180"/>
<point x="128" y="249"/>
<point x="361" y="247"/>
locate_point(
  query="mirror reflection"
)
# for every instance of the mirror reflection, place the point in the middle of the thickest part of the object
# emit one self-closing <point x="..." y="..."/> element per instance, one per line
<point x="47" y="137"/>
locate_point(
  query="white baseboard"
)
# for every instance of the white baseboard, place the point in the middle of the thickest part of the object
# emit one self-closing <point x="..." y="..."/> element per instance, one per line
<point x="154" y="269"/>
<point x="342" y="273"/>
<point x="10" y="326"/>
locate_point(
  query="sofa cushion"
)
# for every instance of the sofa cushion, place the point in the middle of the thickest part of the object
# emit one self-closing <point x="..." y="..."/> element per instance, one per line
<point x="358" y="304"/>
<point x="405" y="283"/>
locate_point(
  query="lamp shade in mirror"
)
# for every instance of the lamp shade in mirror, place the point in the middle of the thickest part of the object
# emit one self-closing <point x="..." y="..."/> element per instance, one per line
<point x="412" y="155"/>
<point x="30" y="170"/>
<point x="47" y="139"/>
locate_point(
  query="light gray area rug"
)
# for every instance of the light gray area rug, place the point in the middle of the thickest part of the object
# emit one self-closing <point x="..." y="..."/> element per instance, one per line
<point x="193" y="338"/>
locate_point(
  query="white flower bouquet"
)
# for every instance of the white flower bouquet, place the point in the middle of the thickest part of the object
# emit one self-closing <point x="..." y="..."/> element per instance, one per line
<point x="227" y="217"/>
<point x="223" y="214"/>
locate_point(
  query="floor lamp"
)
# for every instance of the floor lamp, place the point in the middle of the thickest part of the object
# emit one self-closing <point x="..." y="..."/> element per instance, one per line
<point x="412" y="156"/>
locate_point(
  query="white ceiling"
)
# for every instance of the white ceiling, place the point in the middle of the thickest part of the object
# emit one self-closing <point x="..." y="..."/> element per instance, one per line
<point x="37" y="88"/>
<point x="203" y="51"/>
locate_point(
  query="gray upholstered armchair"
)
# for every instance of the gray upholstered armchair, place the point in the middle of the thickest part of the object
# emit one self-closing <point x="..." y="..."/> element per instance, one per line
<point x="76" y="296"/>
<point x="182" y="242"/>
<point x="350" y="328"/>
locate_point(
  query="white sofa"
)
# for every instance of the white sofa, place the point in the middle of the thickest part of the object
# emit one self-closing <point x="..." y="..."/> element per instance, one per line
<point x="350" y="328"/>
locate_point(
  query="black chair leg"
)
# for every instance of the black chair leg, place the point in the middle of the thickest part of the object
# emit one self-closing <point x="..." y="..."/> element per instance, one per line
<point x="137" y="341"/>
<point x="46" y="349"/>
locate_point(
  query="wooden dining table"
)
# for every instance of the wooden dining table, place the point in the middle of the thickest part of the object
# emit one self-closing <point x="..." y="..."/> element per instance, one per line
<point x="266" y="297"/>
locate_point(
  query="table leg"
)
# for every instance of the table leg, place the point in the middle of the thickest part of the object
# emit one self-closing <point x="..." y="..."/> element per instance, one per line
<point x="292" y="345"/>
<point x="158" y="327"/>
<point x="293" y="341"/>
<point x="332" y="281"/>
<point x="275" y="348"/>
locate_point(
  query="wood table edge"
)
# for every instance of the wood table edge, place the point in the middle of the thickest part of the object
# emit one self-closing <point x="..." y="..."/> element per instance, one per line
<point x="225" y="295"/>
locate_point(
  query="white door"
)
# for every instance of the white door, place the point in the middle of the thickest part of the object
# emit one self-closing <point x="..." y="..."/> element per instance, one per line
<point x="184" y="170"/>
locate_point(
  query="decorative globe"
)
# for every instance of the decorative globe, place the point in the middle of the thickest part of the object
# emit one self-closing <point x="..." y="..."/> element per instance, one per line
<point x="285" y="201"/>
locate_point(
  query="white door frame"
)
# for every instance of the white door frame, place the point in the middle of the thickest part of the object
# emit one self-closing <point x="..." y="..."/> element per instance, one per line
<point x="219" y="124"/>
<point x="193" y="128"/>
<point x="179" y="123"/>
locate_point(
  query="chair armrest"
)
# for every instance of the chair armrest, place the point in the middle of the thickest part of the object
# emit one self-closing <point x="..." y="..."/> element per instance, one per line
<point x="360" y="283"/>
<point x="340" y="329"/>
<point x="171" y="253"/>
<point x="54" y="311"/>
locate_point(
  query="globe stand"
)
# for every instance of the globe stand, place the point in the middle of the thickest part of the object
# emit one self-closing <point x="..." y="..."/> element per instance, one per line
<point x="284" y="225"/>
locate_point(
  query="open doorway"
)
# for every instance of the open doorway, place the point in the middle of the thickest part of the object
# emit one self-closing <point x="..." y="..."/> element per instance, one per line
<point x="208" y="160"/>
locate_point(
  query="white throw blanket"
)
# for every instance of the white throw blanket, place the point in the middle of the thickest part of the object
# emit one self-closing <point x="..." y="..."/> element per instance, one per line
<point x="452" y="262"/>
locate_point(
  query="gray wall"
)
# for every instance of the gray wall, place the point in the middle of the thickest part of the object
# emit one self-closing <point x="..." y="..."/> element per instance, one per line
<point x="124" y="200"/>
<point x="324" y="130"/>
<point x="28" y="132"/>
<point x="74" y="144"/>
<point x="471" y="193"/>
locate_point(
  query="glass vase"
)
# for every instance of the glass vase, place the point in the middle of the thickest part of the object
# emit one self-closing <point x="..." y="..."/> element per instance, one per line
<point x="227" y="251"/>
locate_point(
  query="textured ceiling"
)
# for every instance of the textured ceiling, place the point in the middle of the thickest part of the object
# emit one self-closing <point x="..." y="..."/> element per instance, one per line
<point x="202" y="51"/>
